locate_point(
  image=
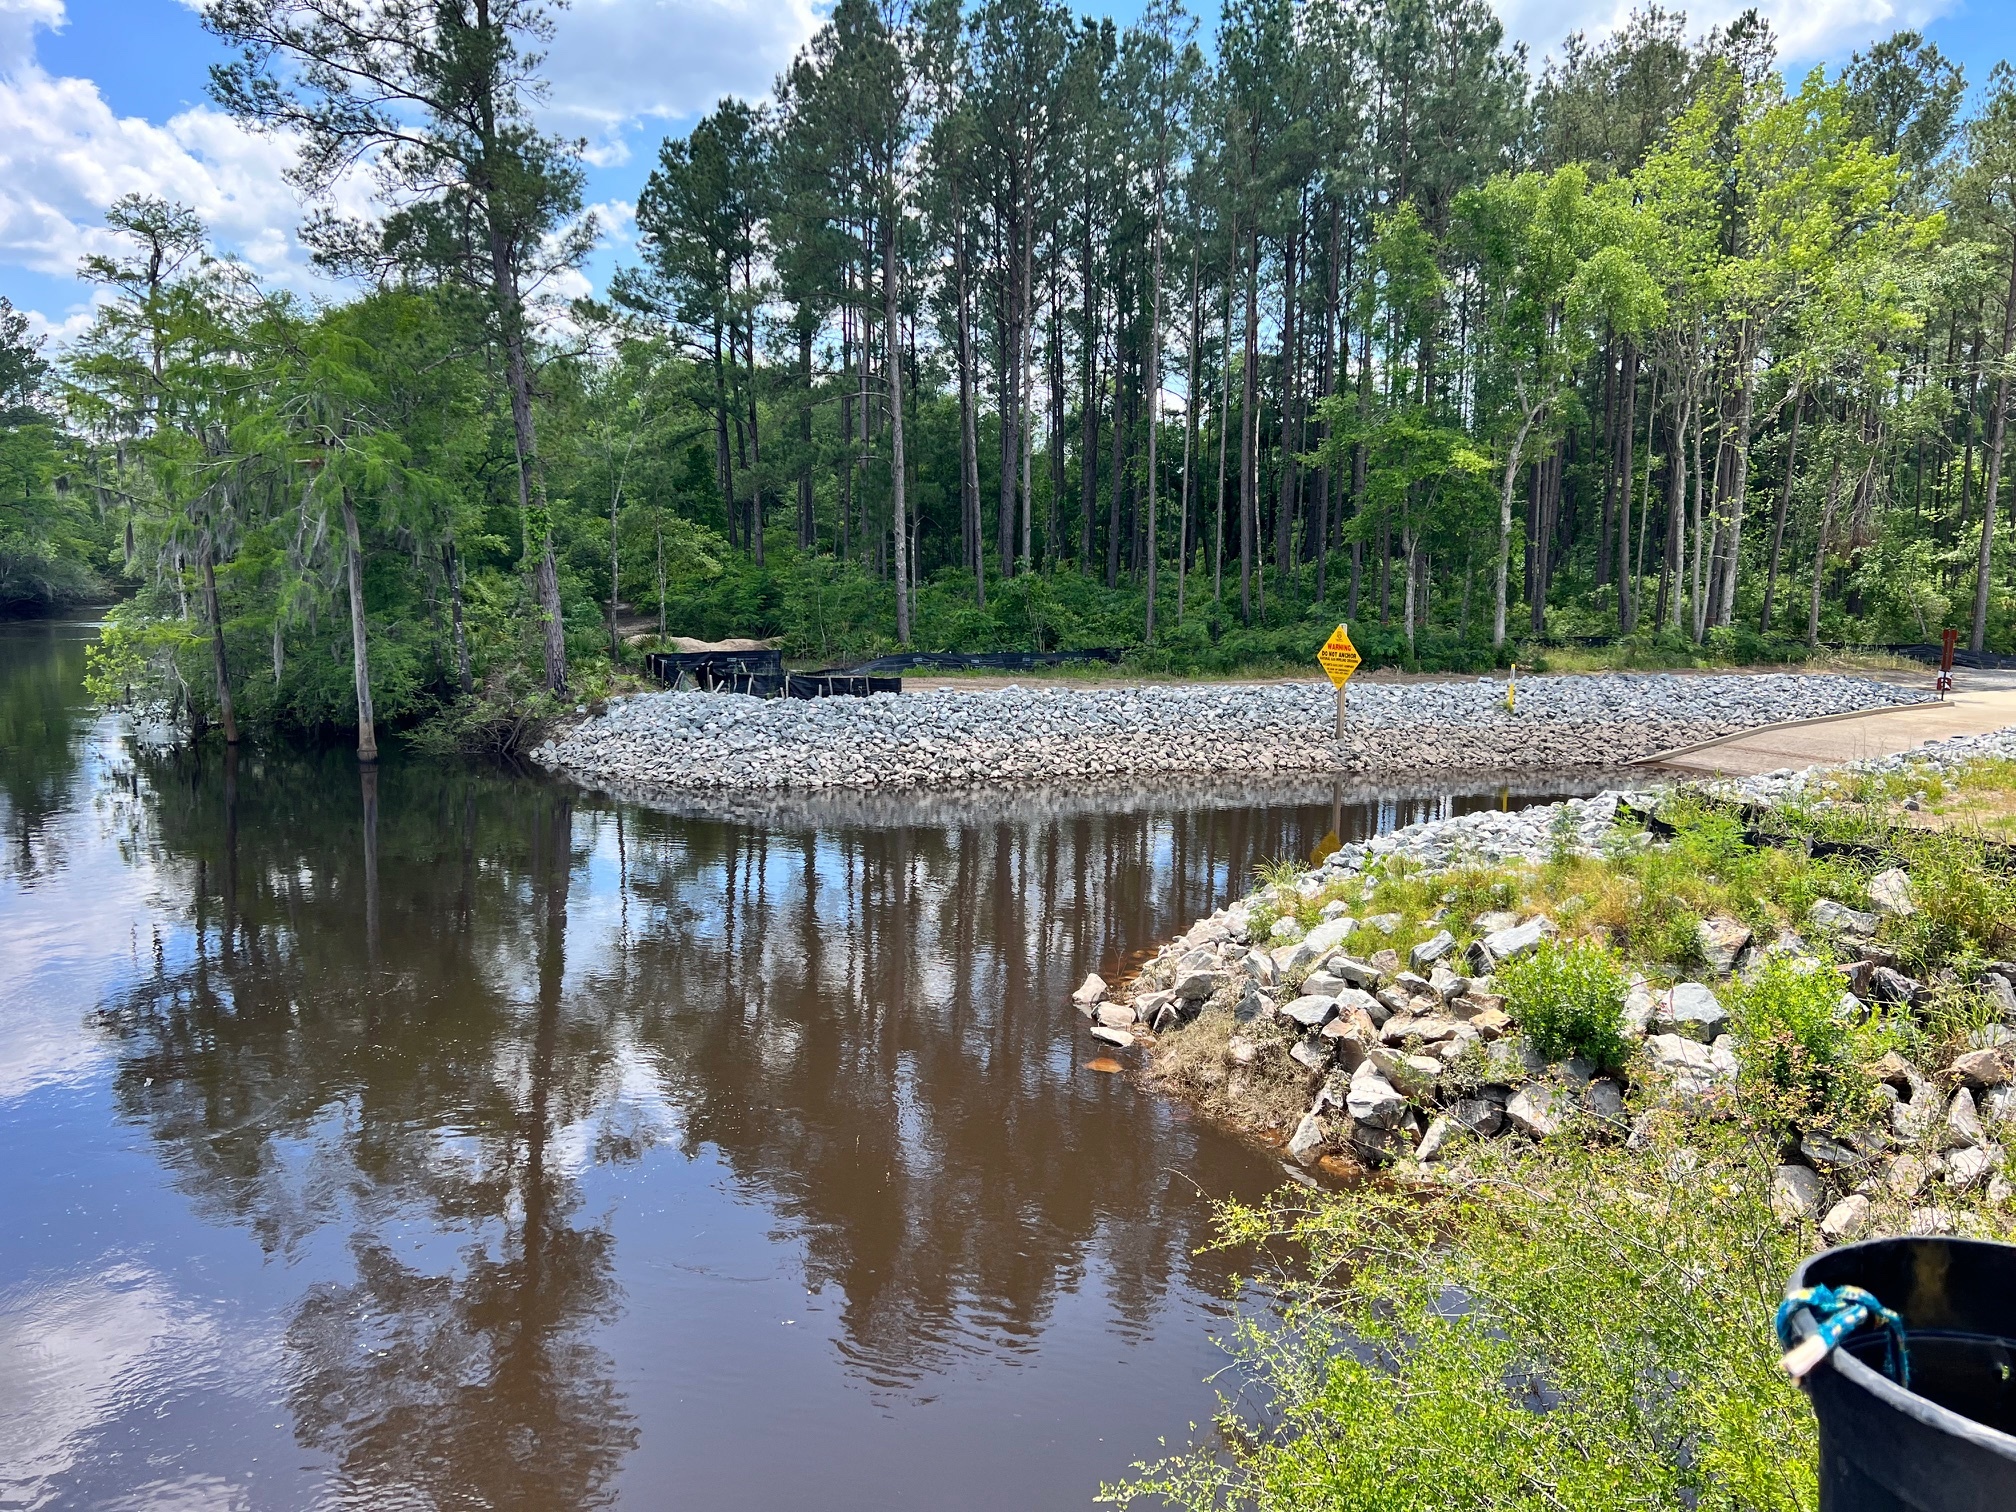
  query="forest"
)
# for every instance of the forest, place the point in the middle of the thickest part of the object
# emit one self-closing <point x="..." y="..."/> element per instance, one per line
<point x="997" y="327"/>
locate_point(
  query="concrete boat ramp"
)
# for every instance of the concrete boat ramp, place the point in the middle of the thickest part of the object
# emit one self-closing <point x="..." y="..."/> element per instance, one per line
<point x="1979" y="702"/>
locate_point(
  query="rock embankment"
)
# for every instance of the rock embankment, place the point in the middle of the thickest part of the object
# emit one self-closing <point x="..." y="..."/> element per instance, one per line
<point x="950" y="739"/>
<point x="1359" y="1038"/>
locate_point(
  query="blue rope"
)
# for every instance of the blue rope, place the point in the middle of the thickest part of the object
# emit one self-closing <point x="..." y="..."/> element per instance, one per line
<point x="1840" y="1311"/>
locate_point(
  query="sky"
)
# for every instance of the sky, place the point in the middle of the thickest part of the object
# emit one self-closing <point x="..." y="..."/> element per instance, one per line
<point x="100" y="98"/>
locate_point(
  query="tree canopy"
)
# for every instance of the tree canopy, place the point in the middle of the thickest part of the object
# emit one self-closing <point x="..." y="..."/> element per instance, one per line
<point x="996" y="326"/>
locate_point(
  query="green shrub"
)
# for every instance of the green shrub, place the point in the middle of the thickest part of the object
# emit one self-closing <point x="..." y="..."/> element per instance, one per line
<point x="1569" y="998"/>
<point x="1801" y="1060"/>
<point x="1587" y="1329"/>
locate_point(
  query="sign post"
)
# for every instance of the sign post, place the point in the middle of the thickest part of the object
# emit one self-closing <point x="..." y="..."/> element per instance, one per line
<point x="1947" y="641"/>
<point x="1339" y="659"/>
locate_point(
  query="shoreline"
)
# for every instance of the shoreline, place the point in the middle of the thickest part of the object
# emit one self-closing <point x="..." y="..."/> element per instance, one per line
<point x="1021" y="737"/>
<point x="1393" y="1039"/>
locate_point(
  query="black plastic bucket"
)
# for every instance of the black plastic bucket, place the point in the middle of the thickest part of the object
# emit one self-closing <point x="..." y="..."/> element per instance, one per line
<point x="1949" y="1443"/>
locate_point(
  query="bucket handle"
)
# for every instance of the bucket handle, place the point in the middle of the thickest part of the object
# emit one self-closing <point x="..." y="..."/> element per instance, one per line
<point x="1837" y="1312"/>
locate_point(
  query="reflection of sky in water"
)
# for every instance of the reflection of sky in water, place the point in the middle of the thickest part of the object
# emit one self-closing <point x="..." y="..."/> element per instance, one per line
<point x="768" y="1172"/>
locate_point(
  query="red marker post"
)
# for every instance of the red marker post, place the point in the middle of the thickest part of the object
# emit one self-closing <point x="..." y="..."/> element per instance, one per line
<point x="1947" y="640"/>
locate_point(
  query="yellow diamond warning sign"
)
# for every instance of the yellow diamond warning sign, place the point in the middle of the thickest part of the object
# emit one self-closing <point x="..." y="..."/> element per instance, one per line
<point x="1339" y="657"/>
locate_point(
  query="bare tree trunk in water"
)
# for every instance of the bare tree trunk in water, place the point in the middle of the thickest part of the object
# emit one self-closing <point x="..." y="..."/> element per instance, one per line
<point x="360" y="652"/>
<point x="367" y="782"/>
<point x="205" y="559"/>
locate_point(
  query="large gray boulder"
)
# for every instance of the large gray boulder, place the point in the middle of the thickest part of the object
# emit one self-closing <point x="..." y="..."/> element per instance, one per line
<point x="1534" y="1110"/>
<point x="1373" y="1100"/>
<point x="1890" y="893"/>
<point x="1980" y="1068"/>
<point x="1503" y="945"/>
<point x="1328" y="935"/>
<point x="1847" y="1220"/>
<point x="1307" y="1142"/>
<point x="1091" y="990"/>
<point x="1796" y="1194"/>
<point x="1696" y="1073"/>
<point x="1429" y="951"/>
<point x="1197" y="985"/>
<point x="1691" y="1009"/>
<point x="1482" y="1116"/>
<point x="1833" y="918"/>
<point x="1721" y="940"/>
<point x="1309" y="1011"/>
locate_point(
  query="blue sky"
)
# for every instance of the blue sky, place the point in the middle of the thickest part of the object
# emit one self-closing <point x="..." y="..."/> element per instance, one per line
<point x="102" y="97"/>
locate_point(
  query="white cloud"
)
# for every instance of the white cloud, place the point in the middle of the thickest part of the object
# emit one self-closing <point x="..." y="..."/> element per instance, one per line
<point x="65" y="155"/>
<point x="1808" y="30"/>
<point x="614" y="63"/>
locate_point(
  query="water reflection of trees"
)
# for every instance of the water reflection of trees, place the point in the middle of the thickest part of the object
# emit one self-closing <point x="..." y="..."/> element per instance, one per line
<point x="404" y="990"/>
<point x="41" y="742"/>
<point x="370" y="1028"/>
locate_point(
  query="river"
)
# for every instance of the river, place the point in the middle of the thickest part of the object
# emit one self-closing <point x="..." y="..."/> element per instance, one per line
<point x="450" y="1137"/>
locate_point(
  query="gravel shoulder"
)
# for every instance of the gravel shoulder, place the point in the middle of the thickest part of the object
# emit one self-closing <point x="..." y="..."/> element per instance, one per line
<point x="720" y="743"/>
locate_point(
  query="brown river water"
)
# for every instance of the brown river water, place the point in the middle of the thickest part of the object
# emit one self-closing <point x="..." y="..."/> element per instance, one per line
<point x="449" y="1137"/>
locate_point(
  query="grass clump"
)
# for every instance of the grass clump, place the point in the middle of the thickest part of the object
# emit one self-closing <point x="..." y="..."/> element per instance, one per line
<point x="1965" y="907"/>
<point x="1568" y="996"/>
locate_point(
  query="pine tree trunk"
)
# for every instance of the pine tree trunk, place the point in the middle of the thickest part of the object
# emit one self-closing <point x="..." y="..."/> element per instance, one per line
<point x="1778" y="515"/>
<point x="1224" y="442"/>
<point x="808" y="525"/>
<point x="1287" y="492"/>
<point x="1011" y="410"/>
<point x="1189" y="440"/>
<point x="1997" y="430"/>
<point x="1026" y="428"/>
<point x="755" y="441"/>
<point x="531" y="481"/>
<point x="1608" y="524"/>
<point x="1249" y="422"/>
<point x="1820" y="554"/>
<point x="1154" y="411"/>
<point x="1088" y="403"/>
<point x="969" y="441"/>
<point x="893" y="360"/>
<point x="1626" y="464"/>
